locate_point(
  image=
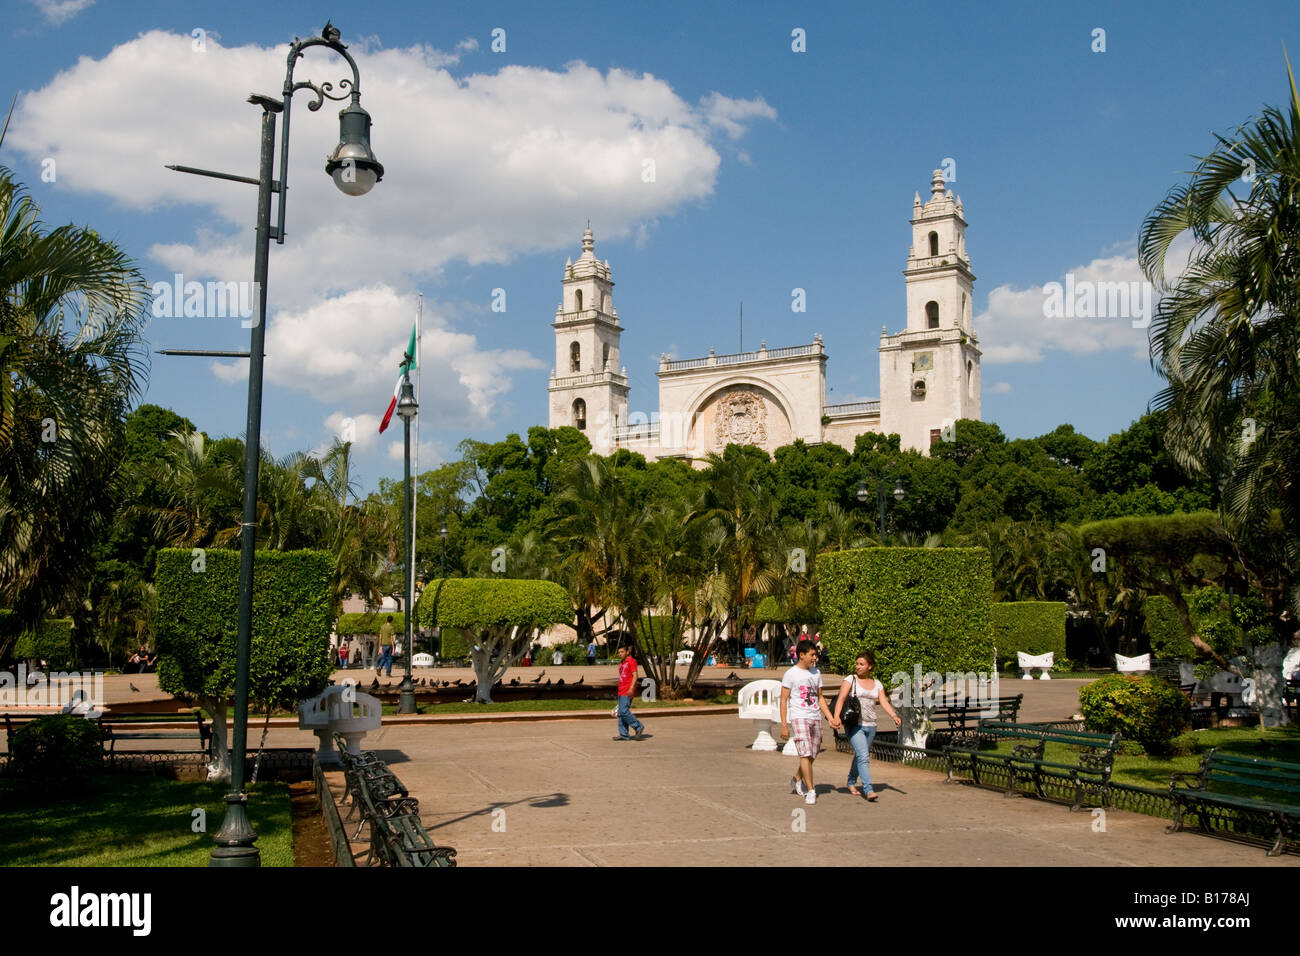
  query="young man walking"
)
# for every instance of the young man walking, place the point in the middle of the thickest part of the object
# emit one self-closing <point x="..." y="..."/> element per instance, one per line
<point x="385" y="647"/>
<point x="626" y="688"/>
<point x="802" y="707"/>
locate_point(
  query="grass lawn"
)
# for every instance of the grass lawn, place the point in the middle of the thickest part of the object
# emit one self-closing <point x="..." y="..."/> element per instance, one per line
<point x="127" y="820"/>
<point x="548" y="704"/>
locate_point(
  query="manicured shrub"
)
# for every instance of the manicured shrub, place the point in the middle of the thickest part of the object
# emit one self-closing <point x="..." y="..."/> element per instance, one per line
<point x="57" y="754"/>
<point x="197" y="624"/>
<point x="369" y="623"/>
<point x="51" y="642"/>
<point x="912" y="606"/>
<point x="1035" y="627"/>
<point x="1141" y="708"/>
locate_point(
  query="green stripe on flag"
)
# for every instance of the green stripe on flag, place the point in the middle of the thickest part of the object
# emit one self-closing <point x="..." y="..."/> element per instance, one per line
<point x="410" y="350"/>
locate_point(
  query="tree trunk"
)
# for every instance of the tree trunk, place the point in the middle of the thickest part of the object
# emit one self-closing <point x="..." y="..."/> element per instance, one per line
<point x="915" y="728"/>
<point x="219" y="766"/>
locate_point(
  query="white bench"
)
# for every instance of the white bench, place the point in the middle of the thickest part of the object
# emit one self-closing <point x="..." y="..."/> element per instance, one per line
<point x="1031" y="662"/>
<point x="1133" y="665"/>
<point x="352" y="716"/>
<point x="313" y="716"/>
<point x="760" y="701"/>
<point x="422" y="660"/>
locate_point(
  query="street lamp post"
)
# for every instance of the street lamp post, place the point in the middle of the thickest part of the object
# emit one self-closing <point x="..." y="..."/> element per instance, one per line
<point x="355" y="171"/>
<point x="882" y="494"/>
<point x="407" y="408"/>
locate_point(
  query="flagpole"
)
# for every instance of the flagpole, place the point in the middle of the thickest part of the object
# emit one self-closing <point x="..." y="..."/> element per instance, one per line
<point x="415" y="497"/>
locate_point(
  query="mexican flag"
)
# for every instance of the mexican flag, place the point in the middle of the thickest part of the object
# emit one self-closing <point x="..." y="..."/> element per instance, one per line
<point x="408" y="363"/>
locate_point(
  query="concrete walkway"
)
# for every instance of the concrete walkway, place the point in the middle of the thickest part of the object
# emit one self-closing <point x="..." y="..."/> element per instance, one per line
<point x="564" y="794"/>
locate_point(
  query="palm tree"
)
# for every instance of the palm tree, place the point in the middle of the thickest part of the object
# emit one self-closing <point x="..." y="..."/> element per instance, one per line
<point x="1226" y="335"/>
<point x="72" y="311"/>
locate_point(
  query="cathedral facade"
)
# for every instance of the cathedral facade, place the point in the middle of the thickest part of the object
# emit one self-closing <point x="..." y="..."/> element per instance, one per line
<point x="929" y="371"/>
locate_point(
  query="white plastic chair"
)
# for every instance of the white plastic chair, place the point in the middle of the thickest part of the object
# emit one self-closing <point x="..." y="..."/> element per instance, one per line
<point x="760" y="701"/>
<point x="422" y="660"/>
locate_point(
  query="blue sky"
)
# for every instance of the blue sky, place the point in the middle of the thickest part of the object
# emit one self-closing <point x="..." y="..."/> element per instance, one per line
<point x="775" y="170"/>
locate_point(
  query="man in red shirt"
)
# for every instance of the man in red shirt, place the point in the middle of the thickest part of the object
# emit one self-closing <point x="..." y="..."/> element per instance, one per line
<point x="626" y="688"/>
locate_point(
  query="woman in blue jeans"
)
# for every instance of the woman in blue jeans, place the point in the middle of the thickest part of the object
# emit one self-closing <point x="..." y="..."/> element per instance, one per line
<point x="870" y="694"/>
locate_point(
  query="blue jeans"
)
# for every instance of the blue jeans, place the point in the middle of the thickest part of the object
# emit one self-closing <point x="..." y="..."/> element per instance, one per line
<point x="385" y="660"/>
<point x="626" y="719"/>
<point x="861" y="766"/>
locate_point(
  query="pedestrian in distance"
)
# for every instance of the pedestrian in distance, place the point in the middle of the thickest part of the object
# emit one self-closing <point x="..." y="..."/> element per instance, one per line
<point x="626" y="688"/>
<point x="802" y="708"/>
<point x="859" y="721"/>
<point x="385" y="647"/>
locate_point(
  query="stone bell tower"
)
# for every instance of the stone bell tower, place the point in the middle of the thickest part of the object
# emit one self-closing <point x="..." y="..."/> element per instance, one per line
<point x="588" y="387"/>
<point x="930" y="372"/>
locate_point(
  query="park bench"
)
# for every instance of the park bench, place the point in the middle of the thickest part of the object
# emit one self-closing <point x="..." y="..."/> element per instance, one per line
<point x="1224" y="792"/>
<point x="1026" y="759"/>
<point x="137" y="727"/>
<point x="397" y="837"/>
<point x="961" y="718"/>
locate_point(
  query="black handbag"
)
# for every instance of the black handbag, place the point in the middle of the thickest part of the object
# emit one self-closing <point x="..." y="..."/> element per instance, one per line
<point x="851" y="712"/>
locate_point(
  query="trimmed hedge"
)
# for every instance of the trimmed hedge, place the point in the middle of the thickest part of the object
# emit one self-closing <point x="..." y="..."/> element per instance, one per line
<point x="349" y="625"/>
<point x="454" y="645"/>
<point x="1035" y="627"/>
<point x="926" y="606"/>
<point x="197" y="625"/>
<point x="52" y="643"/>
<point x="772" y="611"/>
<point x="492" y="602"/>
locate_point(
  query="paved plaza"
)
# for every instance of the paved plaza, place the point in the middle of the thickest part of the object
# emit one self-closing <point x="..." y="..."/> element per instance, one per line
<point x="513" y="790"/>
<point x="563" y="793"/>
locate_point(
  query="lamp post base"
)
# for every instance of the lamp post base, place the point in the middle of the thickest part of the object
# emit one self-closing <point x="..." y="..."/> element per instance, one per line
<point x="236" y="840"/>
<point x="406" y="696"/>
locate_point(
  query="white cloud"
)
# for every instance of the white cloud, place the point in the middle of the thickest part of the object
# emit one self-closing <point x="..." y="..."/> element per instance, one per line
<point x="480" y="168"/>
<point x="1014" y="328"/>
<point x="348" y="348"/>
<point x="731" y="116"/>
<point x="1000" y="388"/>
<point x="57" y="12"/>
<point x="432" y="454"/>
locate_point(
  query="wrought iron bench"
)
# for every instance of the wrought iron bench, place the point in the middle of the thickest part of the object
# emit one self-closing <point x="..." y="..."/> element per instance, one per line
<point x="397" y="838"/>
<point x="962" y="718"/>
<point x="1026" y="760"/>
<point x="139" y="729"/>
<point x="1223" y="795"/>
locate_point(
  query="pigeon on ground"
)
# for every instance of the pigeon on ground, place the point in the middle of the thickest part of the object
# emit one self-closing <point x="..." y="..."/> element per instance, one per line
<point x="548" y="682"/>
<point x="133" y="687"/>
<point x="446" y="683"/>
<point x="580" y="681"/>
<point x="560" y="682"/>
<point x="732" y="676"/>
<point x="514" y="682"/>
<point x="459" y="683"/>
<point x="538" y="678"/>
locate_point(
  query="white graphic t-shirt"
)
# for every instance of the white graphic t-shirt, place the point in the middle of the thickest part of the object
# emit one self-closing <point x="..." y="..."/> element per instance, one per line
<point x="805" y="687"/>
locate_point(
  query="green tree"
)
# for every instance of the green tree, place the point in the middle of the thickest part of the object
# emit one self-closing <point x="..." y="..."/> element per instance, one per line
<point x="1226" y="333"/>
<point x="72" y="358"/>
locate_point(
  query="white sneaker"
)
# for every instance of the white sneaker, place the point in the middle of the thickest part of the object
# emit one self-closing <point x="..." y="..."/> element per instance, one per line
<point x="811" y="798"/>
<point x="797" y="786"/>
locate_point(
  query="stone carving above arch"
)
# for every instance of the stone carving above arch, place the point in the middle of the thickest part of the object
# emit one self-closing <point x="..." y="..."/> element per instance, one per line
<point x="741" y="419"/>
